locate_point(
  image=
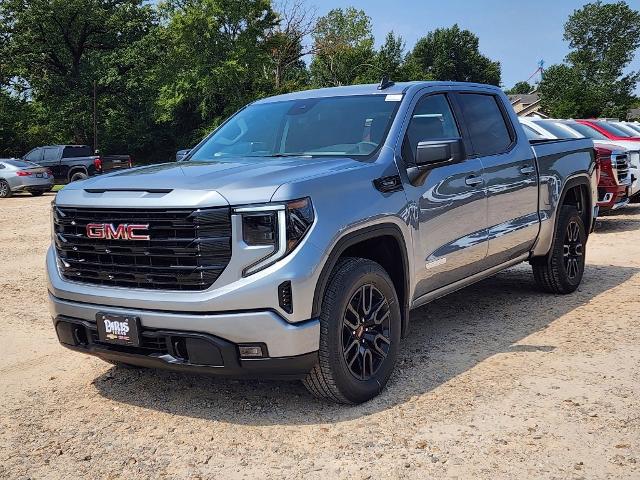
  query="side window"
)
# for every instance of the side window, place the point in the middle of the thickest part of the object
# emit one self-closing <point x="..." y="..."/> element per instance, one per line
<point x="432" y="119"/>
<point x="488" y="130"/>
<point x="34" y="155"/>
<point x="50" y="154"/>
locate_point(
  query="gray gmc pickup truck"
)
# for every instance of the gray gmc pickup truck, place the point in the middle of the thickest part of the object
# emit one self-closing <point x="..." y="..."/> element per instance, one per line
<point x="295" y="239"/>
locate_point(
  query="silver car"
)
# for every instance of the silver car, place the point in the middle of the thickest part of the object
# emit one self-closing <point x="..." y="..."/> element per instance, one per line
<point x="22" y="176"/>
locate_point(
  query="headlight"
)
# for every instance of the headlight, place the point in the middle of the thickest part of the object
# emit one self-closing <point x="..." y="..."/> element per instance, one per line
<point x="281" y="225"/>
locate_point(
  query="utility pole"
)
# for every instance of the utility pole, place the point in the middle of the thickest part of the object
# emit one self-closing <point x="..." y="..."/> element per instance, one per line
<point x="95" y="117"/>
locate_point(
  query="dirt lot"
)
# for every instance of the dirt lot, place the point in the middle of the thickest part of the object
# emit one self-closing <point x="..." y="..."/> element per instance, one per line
<point x="495" y="381"/>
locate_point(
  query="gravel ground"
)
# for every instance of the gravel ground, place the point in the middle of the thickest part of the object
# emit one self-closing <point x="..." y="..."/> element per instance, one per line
<point x="495" y="381"/>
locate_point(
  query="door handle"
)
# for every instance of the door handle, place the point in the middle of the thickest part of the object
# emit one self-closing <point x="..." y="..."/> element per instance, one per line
<point x="527" y="170"/>
<point x="473" y="180"/>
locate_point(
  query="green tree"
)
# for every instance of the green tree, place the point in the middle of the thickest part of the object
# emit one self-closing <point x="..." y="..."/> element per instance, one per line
<point x="55" y="50"/>
<point x="592" y="82"/>
<point x="216" y="59"/>
<point x="453" y="54"/>
<point x="343" y="45"/>
<point x="520" y="88"/>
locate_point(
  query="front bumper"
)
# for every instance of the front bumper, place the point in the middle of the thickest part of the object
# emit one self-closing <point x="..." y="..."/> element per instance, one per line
<point x="290" y="350"/>
<point x="612" y="198"/>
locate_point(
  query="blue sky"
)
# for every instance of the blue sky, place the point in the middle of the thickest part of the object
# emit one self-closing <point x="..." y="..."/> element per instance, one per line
<point x="516" y="33"/>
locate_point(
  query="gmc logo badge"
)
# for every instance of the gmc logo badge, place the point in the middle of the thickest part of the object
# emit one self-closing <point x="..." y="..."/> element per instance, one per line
<point x="124" y="231"/>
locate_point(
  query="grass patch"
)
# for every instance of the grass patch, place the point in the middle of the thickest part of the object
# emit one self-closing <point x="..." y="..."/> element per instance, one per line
<point x="57" y="188"/>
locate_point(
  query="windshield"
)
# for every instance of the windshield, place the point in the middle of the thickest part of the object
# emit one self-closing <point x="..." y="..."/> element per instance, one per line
<point x="607" y="127"/>
<point x="531" y="133"/>
<point x="349" y="126"/>
<point x="627" y="128"/>
<point x="586" y="131"/>
<point x="554" y="129"/>
<point x="633" y="126"/>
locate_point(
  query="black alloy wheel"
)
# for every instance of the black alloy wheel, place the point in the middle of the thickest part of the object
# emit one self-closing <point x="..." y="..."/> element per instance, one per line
<point x="561" y="270"/>
<point x="366" y="325"/>
<point x="573" y="250"/>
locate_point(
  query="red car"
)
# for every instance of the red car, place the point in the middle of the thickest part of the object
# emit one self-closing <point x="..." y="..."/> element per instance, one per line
<point x="614" y="177"/>
<point x="608" y="130"/>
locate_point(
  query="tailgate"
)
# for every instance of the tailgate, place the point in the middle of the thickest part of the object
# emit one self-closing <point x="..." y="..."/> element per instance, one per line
<point x="115" y="162"/>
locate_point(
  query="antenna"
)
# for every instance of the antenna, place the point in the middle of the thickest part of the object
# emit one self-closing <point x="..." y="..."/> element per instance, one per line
<point x="385" y="83"/>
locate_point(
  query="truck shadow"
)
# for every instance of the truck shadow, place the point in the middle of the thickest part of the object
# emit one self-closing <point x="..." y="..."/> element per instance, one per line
<point x="447" y="338"/>
<point x="619" y="220"/>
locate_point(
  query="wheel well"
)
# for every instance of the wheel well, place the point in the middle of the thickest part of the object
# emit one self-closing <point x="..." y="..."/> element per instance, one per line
<point x="578" y="197"/>
<point x="385" y="250"/>
<point x="383" y="244"/>
<point x="76" y="170"/>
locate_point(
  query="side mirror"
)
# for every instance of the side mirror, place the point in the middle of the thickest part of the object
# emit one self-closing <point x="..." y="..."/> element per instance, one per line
<point x="435" y="153"/>
<point x="180" y="154"/>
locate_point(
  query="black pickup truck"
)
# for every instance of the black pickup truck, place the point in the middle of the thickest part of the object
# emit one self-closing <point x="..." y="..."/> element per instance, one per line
<point x="75" y="162"/>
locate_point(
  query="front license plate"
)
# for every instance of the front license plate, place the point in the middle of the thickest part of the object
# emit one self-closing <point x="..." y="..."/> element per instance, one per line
<point x="118" y="329"/>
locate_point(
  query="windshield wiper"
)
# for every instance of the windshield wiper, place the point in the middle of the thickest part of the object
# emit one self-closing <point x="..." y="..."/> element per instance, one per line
<point x="282" y="155"/>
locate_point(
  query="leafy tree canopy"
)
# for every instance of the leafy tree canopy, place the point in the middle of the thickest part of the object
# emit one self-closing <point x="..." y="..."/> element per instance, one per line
<point x="520" y="88"/>
<point x="453" y="54"/>
<point x="592" y="82"/>
<point x="344" y="48"/>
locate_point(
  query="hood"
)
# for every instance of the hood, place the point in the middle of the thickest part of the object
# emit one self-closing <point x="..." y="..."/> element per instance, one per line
<point x="238" y="180"/>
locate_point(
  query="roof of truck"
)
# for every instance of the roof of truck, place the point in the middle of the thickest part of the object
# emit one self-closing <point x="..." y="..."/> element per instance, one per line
<point x="369" y="89"/>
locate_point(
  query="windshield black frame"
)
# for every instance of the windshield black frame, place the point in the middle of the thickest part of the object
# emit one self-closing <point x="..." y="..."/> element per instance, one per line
<point x="193" y="154"/>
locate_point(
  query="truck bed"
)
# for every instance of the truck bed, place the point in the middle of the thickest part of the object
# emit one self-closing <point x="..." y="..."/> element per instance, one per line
<point x="559" y="161"/>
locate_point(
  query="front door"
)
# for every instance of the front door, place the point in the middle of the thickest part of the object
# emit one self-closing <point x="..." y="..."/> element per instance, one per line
<point x="451" y="203"/>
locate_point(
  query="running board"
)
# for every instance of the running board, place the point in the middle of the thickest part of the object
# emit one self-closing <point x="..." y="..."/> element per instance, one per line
<point x="465" y="282"/>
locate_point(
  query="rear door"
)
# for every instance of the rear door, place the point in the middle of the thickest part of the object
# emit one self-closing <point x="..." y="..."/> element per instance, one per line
<point x="510" y="175"/>
<point x="451" y="203"/>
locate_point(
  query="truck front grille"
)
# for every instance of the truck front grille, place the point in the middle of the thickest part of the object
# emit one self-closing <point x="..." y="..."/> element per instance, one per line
<point x="187" y="249"/>
<point x="621" y="164"/>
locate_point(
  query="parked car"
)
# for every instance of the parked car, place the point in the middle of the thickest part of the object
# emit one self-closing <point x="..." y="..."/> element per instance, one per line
<point x="20" y="176"/>
<point x="629" y="128"/>
<point x="75" y="162"/>
<point x="631" y="144"/>
<point x="614" y="177"/>
<point x="609" y="130"/>
<point x="634" y="125"/>
<point x="295" y="239"/>
<point x="614" y="180"/>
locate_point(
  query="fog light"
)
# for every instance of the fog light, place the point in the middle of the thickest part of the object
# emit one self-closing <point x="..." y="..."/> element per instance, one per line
<point x="250" y="351"/>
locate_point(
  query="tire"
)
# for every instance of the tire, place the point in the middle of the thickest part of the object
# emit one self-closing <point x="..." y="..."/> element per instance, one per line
<point x="77" y="176"/>
<point x="5" y="189"/>
<point x="354" y="365"/>
<point x="36" y="193"/>
<point x="561" y="270"/>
